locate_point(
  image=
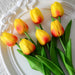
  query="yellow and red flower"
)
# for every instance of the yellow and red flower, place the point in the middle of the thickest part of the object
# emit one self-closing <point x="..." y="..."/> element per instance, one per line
<point x="20" y="26"/>
<point x="56" y="28"/>
<point x="27" y="46"/>
<point x="57" y="9"/>
<point x="42" y="36"/>
<point x="36" y="15"/>
<point x="9" y="39"/>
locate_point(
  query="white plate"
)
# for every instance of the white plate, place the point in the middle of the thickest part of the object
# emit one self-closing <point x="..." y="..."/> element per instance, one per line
<point x="16" y="64"/>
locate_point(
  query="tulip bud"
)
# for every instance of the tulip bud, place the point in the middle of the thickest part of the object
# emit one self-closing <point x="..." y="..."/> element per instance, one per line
<point x="56" y="28"/>
<point x="27" y="46"/>
<point x="9" y="39"/>
<point x="57" y="9"/>
<point x="42" y="36"/>
<point x="36" y="15"/>
<point x="20" y="26"/>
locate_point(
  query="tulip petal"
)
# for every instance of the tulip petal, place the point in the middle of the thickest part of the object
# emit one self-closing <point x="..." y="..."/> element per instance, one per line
<point x="9" y="39"/>
<point x="36" y="15"/>
<point x="56" y="28"/>
<point x="57" y="9"/>
<point x="42" y="36"/>
<point x="20" y="26"/>
<point x="27" y="46"/>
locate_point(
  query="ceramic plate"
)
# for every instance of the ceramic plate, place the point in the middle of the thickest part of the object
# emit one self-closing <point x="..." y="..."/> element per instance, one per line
<point x="16" y="64"/>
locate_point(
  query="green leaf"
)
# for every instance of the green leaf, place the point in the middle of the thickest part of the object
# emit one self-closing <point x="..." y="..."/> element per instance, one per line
<point x="66" y="43"/>
<point x="53" y="53"/>
<point x="69" y="68"/>
<point x="66" y="35"/>
<point x="43" y="54"/>
<point x="50" y="65"/>
<point x="67" y="31"/>
<point x="38" y="49"/>
<point x="46" y="71"/>
<point x="33" y="61"/>
<point x="69" y="53"/>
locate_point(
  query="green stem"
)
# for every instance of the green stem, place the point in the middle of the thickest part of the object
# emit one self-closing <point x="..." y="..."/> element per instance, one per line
<point x="62" y="44"/>
<point x="29" y="37"/>
<point x="36" y="27"/>
<point x="52" y="18"/>
<point x="59" y="18"/>
<point x="40" y="26"/>
<point x="20" y="38"/>
<point x="18" y="46"/>
<point x="48" y="46"/>
<point x="25" y="38"/>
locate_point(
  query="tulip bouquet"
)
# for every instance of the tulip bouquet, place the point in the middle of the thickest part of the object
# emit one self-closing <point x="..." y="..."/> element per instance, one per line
<point x="43" y="55"/>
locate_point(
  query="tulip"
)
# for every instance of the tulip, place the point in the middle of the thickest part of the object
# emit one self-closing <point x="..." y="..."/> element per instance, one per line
<point x="9" y="39"/>
<point x="56" y="28"/>
<point x="42" y="36"/>
<point x="57" y="9"/>
<point x="36" y="15"/>
<point x="26" y="46"/>
<point x="20" y="26"/>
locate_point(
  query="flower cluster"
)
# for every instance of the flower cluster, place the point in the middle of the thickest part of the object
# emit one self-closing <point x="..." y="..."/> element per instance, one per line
<point x="35" y="53"/>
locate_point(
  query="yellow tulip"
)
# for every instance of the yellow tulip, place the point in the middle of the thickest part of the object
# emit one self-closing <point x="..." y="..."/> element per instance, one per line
<point x="26" y="46"/>
<point x="56" y="28"/>
<point x="9" y="39"/>
<point x="36" y="15"/>
<point x="57" y="9"/>
<point x="42" y="36"/>
<point x="20" y="26"/>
